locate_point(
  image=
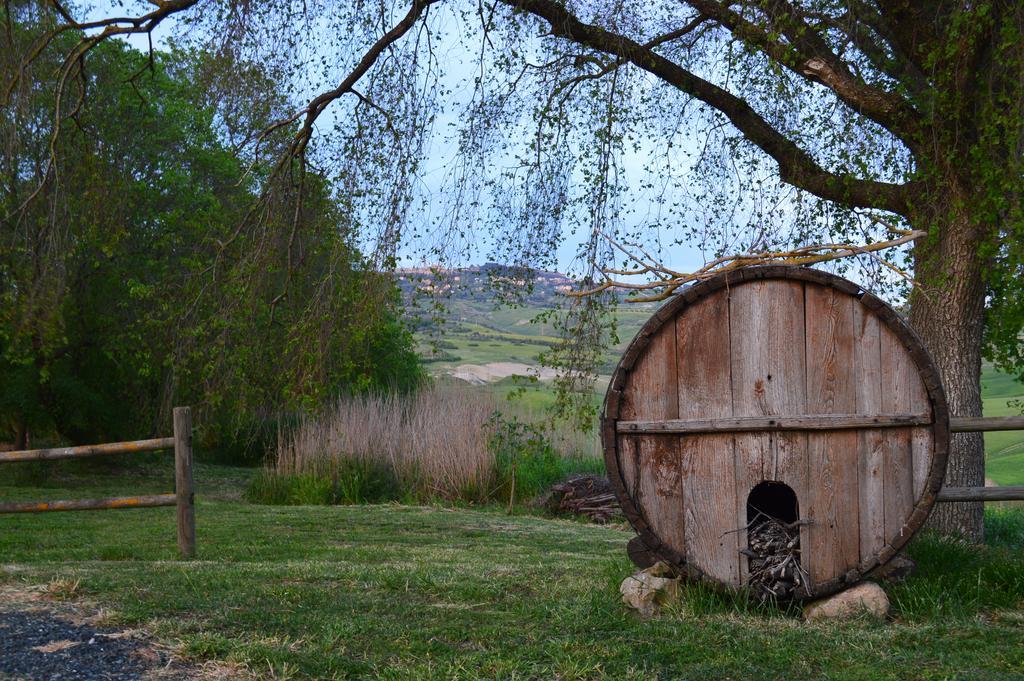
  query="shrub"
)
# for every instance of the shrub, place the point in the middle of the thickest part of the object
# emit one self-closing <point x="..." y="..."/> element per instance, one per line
<point x="269" y="487"/>
<point x="527" y="461"/>
<point x="226" y="439"/>
<point x="362" y="481"/>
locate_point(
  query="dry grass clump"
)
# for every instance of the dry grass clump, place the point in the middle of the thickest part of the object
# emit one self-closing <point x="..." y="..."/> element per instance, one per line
<point x="431" y="444"/>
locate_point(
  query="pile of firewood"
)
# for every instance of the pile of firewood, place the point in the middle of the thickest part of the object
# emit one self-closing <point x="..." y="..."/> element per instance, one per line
<point x="587" y="495"/>
<point x="774" y="552"/>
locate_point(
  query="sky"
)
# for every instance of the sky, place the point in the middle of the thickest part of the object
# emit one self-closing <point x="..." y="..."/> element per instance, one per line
<point x="458" y="68"/>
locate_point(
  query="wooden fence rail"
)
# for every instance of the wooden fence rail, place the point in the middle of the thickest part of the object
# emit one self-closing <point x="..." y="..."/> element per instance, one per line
<point x="183" y="497"/>
<point x="977" y="424"/>
<point x="147" y="501"/>
<point x="87" y="450"/>
<point x="981" y="494"/>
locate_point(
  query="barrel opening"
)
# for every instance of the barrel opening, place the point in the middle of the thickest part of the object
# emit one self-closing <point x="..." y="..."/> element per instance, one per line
<point x="773" y="499"/>
<point x="773" y="542"/>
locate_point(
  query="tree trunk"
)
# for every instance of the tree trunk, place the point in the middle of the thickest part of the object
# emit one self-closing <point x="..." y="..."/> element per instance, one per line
<point x="947" y="310"/>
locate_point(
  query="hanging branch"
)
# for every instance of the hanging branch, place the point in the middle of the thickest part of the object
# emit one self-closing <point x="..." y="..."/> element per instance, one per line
<point x="667" y="280"/>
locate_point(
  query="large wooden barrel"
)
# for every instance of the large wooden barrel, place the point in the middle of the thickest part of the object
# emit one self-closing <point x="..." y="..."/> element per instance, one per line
<point x="782" y="375"/>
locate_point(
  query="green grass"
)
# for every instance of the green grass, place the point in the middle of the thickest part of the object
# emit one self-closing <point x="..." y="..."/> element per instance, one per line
<point x="352" y="482"/>
<point x="400" y="592"/>
<point x="472" y="350"/>
<point x="481" y="334"/>
<point x="523" y="320"/>
<point x="1004" y="451"/>
<point x="996" y="384"/>
<point x="536" y="396"/>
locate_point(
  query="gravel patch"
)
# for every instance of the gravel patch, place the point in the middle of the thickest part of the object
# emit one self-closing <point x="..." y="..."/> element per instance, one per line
<point x="40" y="645"/>
<point x="48" y="633"/>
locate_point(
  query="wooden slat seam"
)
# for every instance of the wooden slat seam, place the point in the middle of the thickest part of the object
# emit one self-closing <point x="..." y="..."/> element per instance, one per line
<point x="774" y="423"/>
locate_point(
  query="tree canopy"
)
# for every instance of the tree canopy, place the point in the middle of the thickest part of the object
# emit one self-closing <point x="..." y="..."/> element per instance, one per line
<point x="126" y="286"/>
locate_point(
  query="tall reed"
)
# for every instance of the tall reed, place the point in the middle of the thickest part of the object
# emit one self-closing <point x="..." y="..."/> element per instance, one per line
<point x="434" y="443"/>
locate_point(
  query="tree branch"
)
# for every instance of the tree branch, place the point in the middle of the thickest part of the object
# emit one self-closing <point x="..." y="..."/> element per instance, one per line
<point x="796" y="166"/>
<point x="317" y="105"/>
<point x="112" y="26"/>
<point x="808" y="55"/>
<point x="860" y="24"/>
<point x="564" y="89"/>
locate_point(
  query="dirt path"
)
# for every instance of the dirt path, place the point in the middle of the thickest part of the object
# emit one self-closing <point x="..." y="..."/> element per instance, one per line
<point x="478" y="374"/>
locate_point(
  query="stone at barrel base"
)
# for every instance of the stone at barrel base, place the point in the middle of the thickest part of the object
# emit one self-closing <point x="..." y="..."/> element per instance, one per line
<point x="866" y="597"/>
<point x="651" y="588"/>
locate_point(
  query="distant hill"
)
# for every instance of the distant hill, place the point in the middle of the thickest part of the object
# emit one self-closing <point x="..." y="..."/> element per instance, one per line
<point x="471" y="329"/>
<point x="486" y="282"/>
<point x="494" y="302"/>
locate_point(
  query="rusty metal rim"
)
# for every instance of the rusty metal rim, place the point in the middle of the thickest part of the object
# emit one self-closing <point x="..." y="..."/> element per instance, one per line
<point x="669" y="311"/>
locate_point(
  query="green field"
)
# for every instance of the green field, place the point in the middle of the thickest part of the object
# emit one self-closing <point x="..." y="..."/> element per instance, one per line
<point x="1004" y="451"/>
<point x="401" y="592"/>
<point x="481" y="334"/>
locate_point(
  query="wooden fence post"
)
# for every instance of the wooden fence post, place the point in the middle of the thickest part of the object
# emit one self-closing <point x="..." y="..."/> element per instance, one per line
<point x="183" y="481"/>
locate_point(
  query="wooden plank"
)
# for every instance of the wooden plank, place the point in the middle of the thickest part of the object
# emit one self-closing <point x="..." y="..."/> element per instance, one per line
<point x="871" y="443"/>
<point x="981" y="494"/>
<point x="651" y="465"/>
<point x="183" y="483"/>
<point x="832" y="502"/>
<point x="660" y="490"/>
<point x="709" y="487"/>
<point x="775" y="423"/>
<point x="921" y="440"/>
<point x="87" y="450"/>
<point x="975" y="424"/>
<point x="709" y="481"/>
<point x="768" y="378"/>
<point x="900" y="385"/>
<point x="147" y="501"/>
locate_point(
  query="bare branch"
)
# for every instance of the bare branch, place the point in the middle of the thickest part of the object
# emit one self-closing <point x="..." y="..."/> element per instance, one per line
<point x="667" y="280"/>
<point x="604" y="68"/>
<point x="313" y="110"/>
